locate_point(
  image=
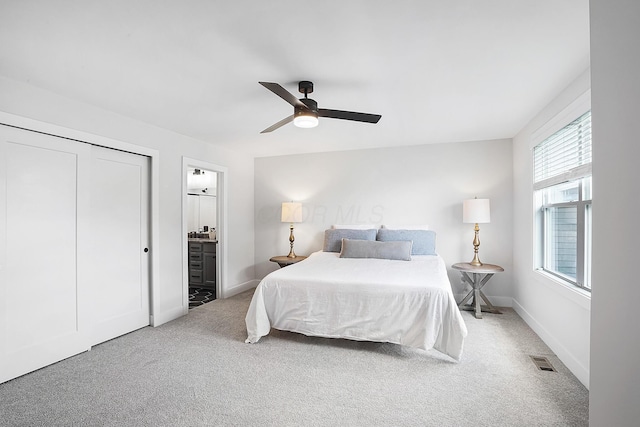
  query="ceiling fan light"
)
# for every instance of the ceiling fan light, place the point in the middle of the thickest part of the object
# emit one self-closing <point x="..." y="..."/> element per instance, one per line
<point x="306" y="121"/>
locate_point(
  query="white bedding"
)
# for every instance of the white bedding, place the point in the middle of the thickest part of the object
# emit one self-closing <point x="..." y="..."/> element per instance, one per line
<point x="404" y="302"/>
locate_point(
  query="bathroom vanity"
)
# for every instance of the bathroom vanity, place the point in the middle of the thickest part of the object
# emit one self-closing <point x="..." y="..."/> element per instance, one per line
<point x="202" y="263"/>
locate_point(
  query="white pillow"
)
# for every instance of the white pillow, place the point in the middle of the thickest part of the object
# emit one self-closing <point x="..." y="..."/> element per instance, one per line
<point x="406" y="227"/>
<point x="354" y="226"/>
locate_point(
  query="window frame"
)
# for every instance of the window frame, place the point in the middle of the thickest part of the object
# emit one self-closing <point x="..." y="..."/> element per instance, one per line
<point x="582" y="284"/>
<point x="583" y="251"/>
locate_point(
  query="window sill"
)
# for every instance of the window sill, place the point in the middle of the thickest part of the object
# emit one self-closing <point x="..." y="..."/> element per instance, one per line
<point x="566" y="290"/>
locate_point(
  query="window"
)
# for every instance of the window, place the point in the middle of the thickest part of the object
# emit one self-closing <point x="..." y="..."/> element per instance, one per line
<point x="562" y="187"/>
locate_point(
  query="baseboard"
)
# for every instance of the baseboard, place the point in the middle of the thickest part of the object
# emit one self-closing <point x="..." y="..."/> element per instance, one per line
<point x="238" y="289"/>
<point x="579" y="370"/>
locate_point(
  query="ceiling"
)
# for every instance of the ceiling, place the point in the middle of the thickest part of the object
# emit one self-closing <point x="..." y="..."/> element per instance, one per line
<point x="437" y="71"/>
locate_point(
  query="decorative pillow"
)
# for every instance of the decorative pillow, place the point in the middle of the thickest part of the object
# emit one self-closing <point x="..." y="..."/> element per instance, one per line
<point x="354" y="226"/>
<point x="424" y="241"/>
<point x="399" y="250"/>
<point x="333" y="237"/>
<point x="406" y="227"/>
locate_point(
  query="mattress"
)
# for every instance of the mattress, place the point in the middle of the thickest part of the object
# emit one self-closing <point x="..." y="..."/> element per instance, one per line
<point x="403" y="302"/>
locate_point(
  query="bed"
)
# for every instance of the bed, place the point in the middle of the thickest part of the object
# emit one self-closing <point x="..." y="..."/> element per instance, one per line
<point x="366" y="297"/>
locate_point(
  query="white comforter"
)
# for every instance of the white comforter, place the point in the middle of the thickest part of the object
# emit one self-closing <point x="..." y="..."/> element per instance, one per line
<point x="404" y="302"/>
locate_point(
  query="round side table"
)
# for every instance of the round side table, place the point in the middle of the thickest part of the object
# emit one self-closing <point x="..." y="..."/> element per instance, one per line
<point x="477" y="276"/>
<point x="284" y="260"/>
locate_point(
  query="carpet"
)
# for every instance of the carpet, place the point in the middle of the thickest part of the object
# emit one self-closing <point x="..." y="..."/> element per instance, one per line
<point x="197" y="371"/>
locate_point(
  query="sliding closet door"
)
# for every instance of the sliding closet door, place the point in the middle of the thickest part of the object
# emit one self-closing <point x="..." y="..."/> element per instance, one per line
<point x="74" y="239"/>
<point x="120" y="235"/>
<point x="43" y="304"/>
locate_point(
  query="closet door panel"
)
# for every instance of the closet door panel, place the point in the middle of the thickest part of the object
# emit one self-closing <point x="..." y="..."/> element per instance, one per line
<point x="43" y="317"/>
<point x="120" y="234"/>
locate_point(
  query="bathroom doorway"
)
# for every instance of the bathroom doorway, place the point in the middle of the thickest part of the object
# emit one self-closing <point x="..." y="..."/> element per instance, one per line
<point x="203" y="232"/>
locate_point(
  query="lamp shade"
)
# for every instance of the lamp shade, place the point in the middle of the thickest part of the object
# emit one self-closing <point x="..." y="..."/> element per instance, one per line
<point x="291" y="212"/>
<point x="476" y="211"/>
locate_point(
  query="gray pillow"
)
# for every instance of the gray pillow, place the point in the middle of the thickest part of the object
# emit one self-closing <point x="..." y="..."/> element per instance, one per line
<point x="399" y="250"/>
<point x="333" y="237"/>
<point x="424" y="241"/>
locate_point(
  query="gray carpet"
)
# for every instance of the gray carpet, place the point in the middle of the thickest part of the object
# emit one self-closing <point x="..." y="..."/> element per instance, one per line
<point x="197" y="371"/>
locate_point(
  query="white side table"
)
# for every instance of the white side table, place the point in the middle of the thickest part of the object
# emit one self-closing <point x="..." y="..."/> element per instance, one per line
<point x="477" y="276"/>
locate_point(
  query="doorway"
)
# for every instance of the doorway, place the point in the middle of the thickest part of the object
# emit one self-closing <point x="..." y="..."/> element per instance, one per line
<point x="204" y="231"/>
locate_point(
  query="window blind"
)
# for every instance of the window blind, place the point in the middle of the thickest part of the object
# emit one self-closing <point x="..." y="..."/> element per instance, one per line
<point x="565" y="155"/>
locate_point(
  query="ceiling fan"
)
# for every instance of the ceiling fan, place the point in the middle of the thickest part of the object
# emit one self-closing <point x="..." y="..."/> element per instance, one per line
<point x="306" y="111"/>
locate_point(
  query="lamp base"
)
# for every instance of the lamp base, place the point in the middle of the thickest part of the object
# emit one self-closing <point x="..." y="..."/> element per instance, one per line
<point x="475" y="261"/>
<point x="292" y="254"/>
<point x="476" y="245"/>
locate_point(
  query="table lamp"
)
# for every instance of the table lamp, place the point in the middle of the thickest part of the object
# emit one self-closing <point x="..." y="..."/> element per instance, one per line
<point x="476" y="211"/>
<point x="291" y="213"/>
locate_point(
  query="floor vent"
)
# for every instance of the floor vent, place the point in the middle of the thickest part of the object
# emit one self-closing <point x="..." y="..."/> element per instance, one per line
<point x="542" y="363"/>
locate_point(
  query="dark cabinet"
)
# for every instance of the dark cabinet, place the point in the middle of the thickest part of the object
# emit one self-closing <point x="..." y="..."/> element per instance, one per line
<point x="209" y="270"/>
<point x="202" y="264"/>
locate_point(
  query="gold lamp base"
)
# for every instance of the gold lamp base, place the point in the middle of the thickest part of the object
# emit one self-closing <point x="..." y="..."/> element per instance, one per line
<point x="476" y="261"/>
<point x="292" y="254"/>
<point x="476" y="245"/>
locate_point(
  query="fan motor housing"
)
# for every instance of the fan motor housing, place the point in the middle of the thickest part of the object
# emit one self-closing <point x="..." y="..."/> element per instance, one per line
<point x="299" y="111"/>
<point x="310" y="103"/>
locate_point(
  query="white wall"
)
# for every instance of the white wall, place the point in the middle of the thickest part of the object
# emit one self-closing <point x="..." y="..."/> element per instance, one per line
<point x="407" y="185"/>
<point x="557" y="313"/>
<point x="615" y="340"/>
<point x="27" y="101"/>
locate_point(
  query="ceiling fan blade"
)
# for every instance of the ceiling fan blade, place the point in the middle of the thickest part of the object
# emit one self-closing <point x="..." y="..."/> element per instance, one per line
<point x="349" y="115"/>
<point x="283" y="93"/>
<point x="279" y="124"/>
